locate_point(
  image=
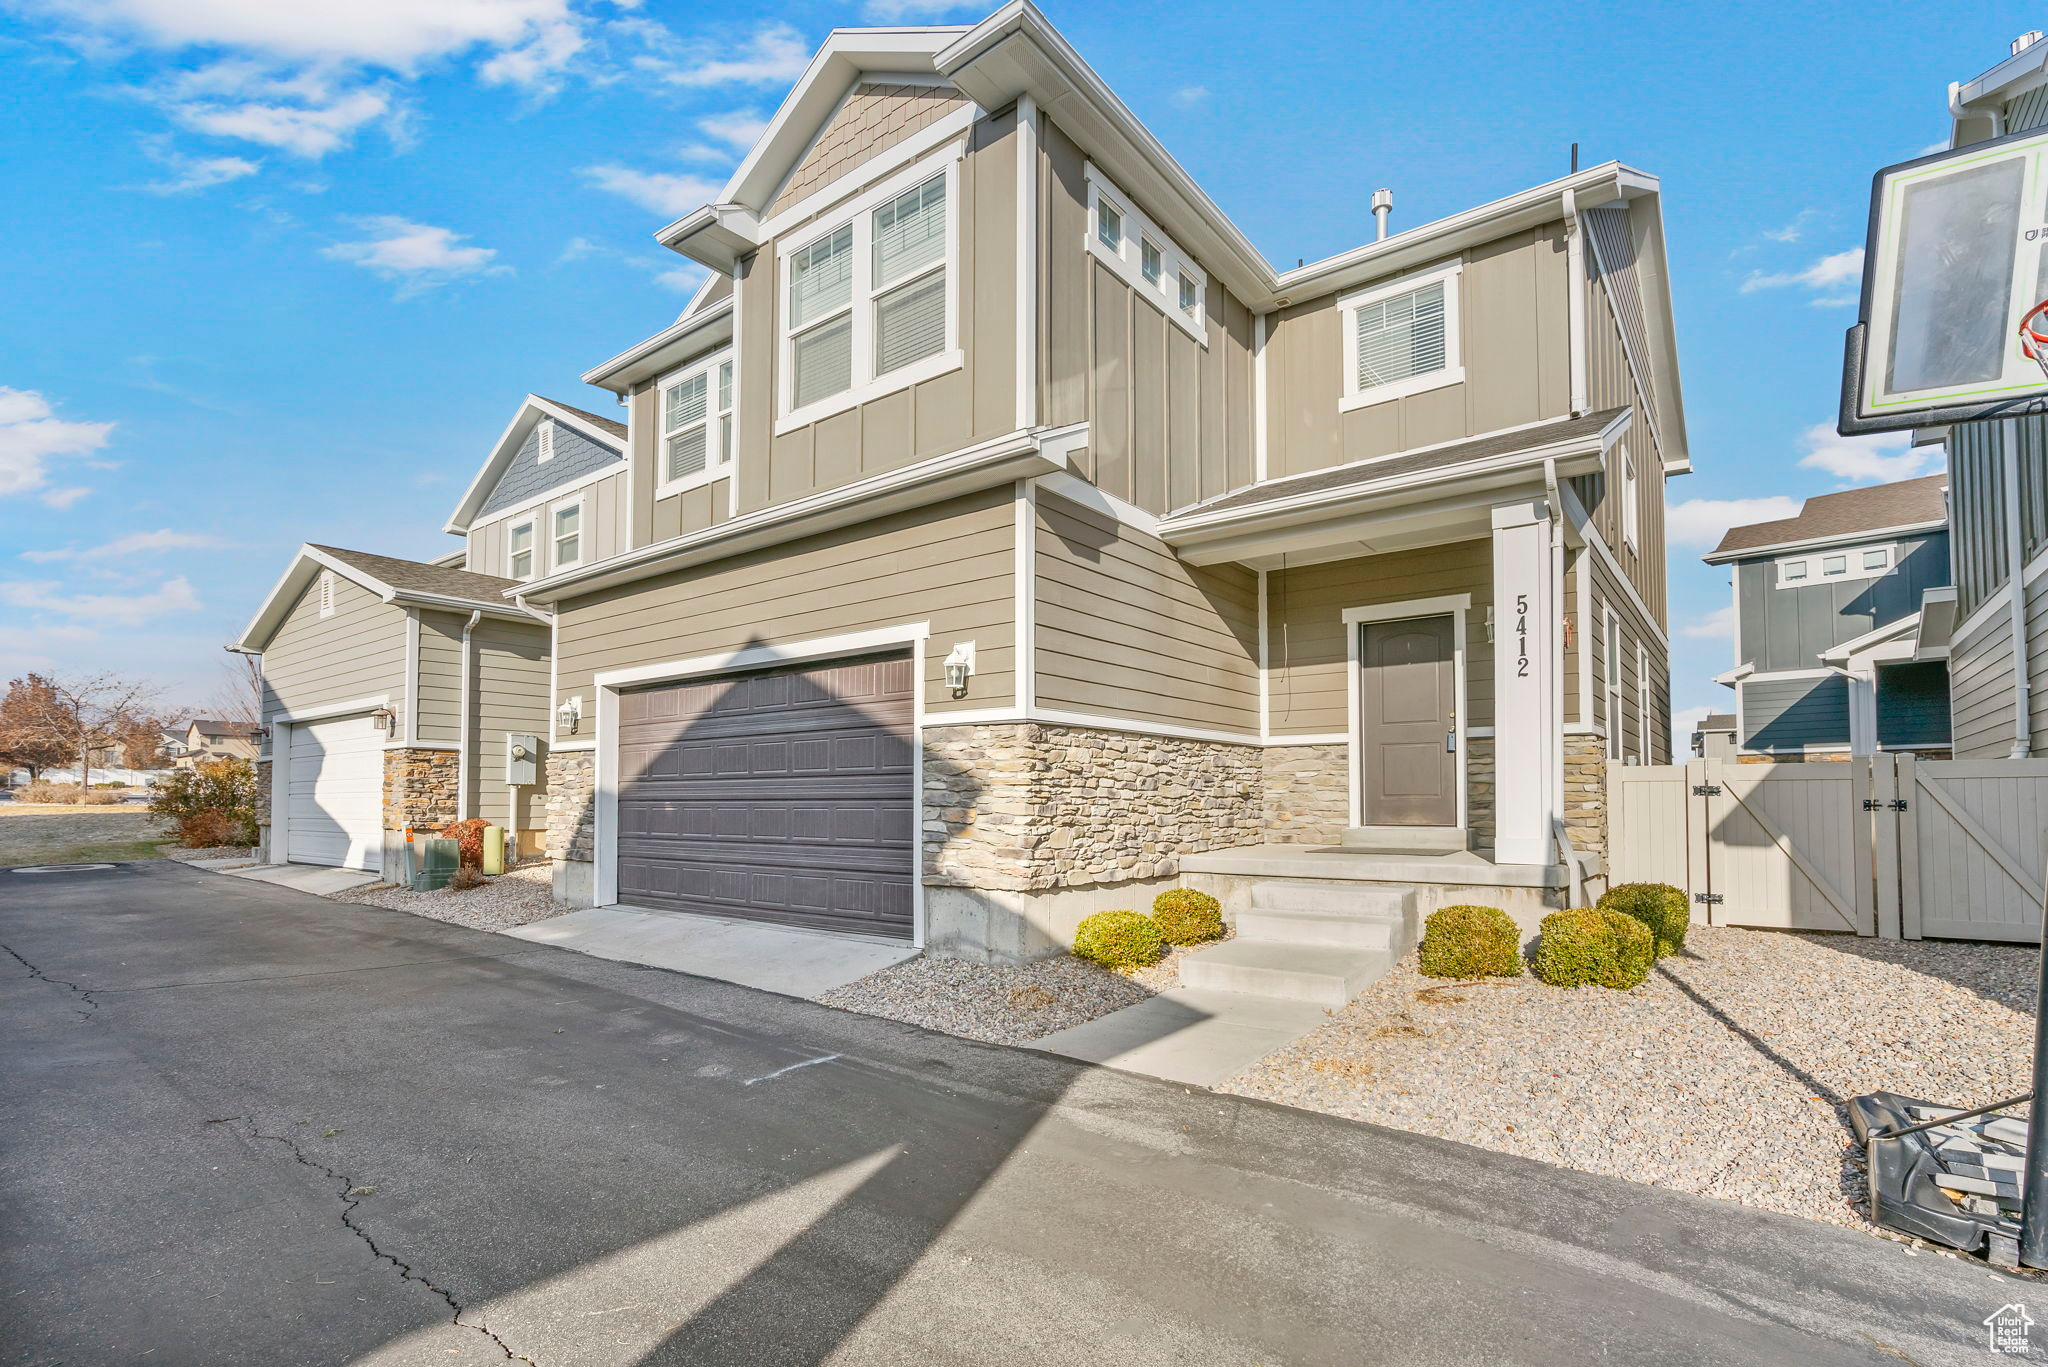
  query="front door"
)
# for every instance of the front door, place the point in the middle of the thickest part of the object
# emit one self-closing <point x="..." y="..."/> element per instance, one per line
<point x="1407" y="696"/>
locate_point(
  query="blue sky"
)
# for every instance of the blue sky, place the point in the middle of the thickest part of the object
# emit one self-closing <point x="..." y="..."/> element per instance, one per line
<point x="279" y="273"/>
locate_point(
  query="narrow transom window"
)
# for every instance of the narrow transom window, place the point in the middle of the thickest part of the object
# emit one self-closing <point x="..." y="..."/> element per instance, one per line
<point x="1795" y="569"/>
<point x="1877" y="560"/>
<point x="544" y="440"/>
<point x="519" y="550"/>
<point x="1109" y="225"/>
<point x="1401" y="338"/>
<point x="696" y="421"/>
<point x="1190" y="295"/>
<point x="568" y="534"/>
<point x="1150" y="261"/>
<point x="1834" y="564"/>
<point x="1144" y="256"/>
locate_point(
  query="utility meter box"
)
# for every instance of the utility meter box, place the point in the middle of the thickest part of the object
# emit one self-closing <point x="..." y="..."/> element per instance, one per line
<point x="522" y="758"/>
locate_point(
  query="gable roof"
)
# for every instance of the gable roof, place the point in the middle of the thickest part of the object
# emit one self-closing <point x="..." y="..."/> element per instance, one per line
<point x="606" y="433"/>
<point x="406" y="583"/>
<point x="1910" y="503"/>
<point x="205" y="727"/>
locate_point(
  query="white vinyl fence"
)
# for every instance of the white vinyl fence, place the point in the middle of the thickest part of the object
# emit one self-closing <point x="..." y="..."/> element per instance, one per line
<point x="1888" y="845"/>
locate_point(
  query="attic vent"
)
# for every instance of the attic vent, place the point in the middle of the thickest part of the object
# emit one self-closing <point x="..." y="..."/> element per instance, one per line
<point x="547" y="439"/>
<point x="327" y="593"/>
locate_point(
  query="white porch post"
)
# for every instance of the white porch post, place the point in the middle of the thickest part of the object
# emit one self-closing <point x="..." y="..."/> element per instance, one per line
<point x="1528" y="757"/>
<point x="1863" y="712"/>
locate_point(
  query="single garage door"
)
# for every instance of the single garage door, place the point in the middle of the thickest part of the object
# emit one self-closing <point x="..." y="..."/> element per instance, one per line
<point x="783" y="795"/>
<point x="335" y="808"/>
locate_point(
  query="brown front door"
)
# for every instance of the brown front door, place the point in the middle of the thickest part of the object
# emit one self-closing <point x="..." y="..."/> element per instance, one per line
<point x="781" y="795"/>
<point x="1407" y="693"/>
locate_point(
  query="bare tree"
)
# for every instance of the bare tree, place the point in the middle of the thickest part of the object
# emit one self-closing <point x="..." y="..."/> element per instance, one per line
<point x="83" y="715"/>
<point x="240" y="695"/>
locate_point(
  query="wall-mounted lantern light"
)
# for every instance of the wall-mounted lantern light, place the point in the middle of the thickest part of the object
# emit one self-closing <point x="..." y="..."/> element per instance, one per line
<point x="960" y="667"/>
<point x="569" y="714"/>
<point x="386" y="721"/>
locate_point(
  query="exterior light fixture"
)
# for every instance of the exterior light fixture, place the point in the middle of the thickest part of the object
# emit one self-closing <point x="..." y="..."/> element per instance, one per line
<point x="959" y="667"/>
<point x="569" y="714"/>
<point x="386" y="721"/>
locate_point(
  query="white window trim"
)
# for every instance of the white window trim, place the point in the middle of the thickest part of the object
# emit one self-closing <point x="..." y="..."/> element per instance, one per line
<point x="716" y="467"/>
<point x="1631" y="498"/>
<point x="1128" y="261"/>
<point x="859" y="212"/>
<point x="327" y="593"/>
<point x="544" y="441"/>
<point x="530" y="518"/>
<point x="1854" y="554"/>
<point x="1642" y="703"/>
<point x="1454" y="354"/>
<point x="582" y="533"/>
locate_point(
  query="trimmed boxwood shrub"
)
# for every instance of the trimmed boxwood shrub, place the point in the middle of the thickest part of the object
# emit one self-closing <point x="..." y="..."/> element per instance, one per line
<point x="1187" y="917"/>
<point x="1659" y="906"/>
<point x="1118" y="939"/>
<point x="1471" y="942"/>
<point x="1588" y="946"/>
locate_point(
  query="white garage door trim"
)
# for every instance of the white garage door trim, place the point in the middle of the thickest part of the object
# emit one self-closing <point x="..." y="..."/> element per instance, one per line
<point x="328" y="792"/>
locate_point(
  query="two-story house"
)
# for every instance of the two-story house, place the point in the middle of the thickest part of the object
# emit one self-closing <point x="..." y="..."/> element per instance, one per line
<point x="1828" y="657"/>
<point x="202" y="740"/>
<point x="997" y="531"/>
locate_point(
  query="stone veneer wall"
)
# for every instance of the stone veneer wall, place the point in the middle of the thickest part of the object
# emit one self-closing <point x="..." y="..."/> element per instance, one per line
<point x="1585" y="793"/>
<point x="1027" y="806"/>
<point x="1308" y="793"/>
<point x="572" y="805"/>
<point x="420" y="788"/>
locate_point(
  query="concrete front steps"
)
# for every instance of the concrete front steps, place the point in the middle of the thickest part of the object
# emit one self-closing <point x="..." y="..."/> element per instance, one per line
<point x="1320" y="943"/>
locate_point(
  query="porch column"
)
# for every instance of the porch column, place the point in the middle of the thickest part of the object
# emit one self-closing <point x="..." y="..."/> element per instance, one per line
<point x="1527" y="690"/>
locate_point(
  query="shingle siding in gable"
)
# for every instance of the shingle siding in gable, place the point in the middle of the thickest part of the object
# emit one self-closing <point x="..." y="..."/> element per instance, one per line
<point x="575" y="456"/>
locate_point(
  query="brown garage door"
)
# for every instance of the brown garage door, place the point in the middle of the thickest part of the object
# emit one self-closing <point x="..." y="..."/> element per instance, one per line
<point x="782" y="795"/>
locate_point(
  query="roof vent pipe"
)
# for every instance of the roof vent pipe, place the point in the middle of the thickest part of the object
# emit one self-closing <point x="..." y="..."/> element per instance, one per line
<point x="1382" y="205"/>
<point x="2025" y="41"/>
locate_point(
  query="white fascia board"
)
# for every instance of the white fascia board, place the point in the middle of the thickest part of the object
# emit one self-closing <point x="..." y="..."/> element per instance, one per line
<point x="297" y="574"/>
<point x="1816" y="543"/>
<point x="2027" y="67"/>
<point x="439" y="602"/>
<point x="666" y="349"/>
<point x="1001" y="460"/>
<point x="531" y="410"/>
<point x="1844" y="653"/>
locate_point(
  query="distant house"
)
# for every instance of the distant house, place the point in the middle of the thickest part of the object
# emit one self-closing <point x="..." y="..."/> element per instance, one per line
<point x="1828" y="654"/>
<point x="203" y="740"/>
<point x="1714" y="737"/>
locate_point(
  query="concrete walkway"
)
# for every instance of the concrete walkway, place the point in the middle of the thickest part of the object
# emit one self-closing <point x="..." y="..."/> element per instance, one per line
<point x="796" y="963"/>
<point x="314" y="878"/>
<point x="1187" y="1034"/>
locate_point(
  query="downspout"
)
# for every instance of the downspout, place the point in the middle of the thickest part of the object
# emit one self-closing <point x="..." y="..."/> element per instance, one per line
<point x="1555" y="498"/>
<point x="1575" y="300"/>
<point x="463" y="760"/>
<point x="2015" y="569"/>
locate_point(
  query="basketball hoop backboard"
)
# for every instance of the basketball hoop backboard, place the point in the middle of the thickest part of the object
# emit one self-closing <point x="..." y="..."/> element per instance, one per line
<point x="1957" y="256"/>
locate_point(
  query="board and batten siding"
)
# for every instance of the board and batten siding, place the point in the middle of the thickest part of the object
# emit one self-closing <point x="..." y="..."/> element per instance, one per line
<point x="508" y="692"/>
<point x="1307" y="648"/>
<point x="1789" y="627"/>
<point x="1514" y="329"/>
<point x="1977" y="515"/>
<point x="358" y="651"/>
<point x="692" y="510"/>
<point x="942" y="414"/>
<point x="1170" y="420"/>
<point x="952" y="564"/>
<point x="604" y="529"/>
<point x="1126" y="629"/>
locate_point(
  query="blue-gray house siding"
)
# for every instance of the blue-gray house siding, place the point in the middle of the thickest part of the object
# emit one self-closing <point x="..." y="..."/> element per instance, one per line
<point x="1791" y="714"/>
<point x="575" y="456"/>
<point x="1789" y="628"/>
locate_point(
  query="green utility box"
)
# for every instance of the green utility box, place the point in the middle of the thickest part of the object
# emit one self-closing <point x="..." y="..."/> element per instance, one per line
<point x="435" y="859"/>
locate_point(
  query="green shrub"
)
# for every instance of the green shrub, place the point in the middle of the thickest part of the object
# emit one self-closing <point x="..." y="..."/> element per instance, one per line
<point x="1586" y="945"/>
<point x="1471" y="942"/>
<point x="1659" y="906"/>
<point x="1118" y="939"/>
<point x="226" y="786"/>
<point x="1187" y="917"/>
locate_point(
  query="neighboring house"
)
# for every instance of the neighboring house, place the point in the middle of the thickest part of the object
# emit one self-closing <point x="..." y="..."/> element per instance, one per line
<point x="997" y="528"/>
<point x="1714" y="737"/>
<point x="171" y="744"/>
<point x="1994" y="627"/>
<point x="202" y="741"/>
<point x="1827" y="620"/>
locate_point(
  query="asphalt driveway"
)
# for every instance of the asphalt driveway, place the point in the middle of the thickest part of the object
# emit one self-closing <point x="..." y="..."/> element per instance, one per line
<point x="243" y="1125"/>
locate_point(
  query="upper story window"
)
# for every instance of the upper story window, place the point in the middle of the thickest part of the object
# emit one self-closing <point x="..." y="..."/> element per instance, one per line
<point x="869" y="302"/>
<point x="1148" y="260"/>
<point x="1867" y="562"/>
<point x="1878" y="559"/>
<point x="544" y="441"/>
<point x="1631" y="498"/>
<point x="567" y="533"/>
<point x="519" y="549"/>
<point x="696" y="424"/>
<point x="1401" y="337"/>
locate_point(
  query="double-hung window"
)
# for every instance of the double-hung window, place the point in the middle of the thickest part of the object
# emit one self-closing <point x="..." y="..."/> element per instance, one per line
<point x="1401" y="337"/>
<point x="868" y="303"/>
<point x="1146" y="257"/>
<point x="696" y="424"/>
<point x="565" y="531"/>
<point x="520" y="552"/>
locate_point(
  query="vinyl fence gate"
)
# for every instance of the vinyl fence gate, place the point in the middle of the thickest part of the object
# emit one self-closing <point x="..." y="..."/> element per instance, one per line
<point x="1882" y="845"/>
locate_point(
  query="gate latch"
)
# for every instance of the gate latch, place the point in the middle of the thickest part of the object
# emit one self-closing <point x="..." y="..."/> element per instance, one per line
<point x="1872" y="804"/>
<point x="1712" y="899"/>
<point x="1706" y="790"/>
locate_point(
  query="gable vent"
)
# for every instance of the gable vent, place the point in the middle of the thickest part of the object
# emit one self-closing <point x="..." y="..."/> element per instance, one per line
<point x="327" y="593"/>
<point x="547" y="439"/>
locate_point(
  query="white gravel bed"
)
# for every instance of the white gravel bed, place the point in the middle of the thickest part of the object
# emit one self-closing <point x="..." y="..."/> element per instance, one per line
<point x="516" y="897"/>
<point x="185" y="856"/>
<point x="1723" y="1075"/>
<point x="998" y="1004"/>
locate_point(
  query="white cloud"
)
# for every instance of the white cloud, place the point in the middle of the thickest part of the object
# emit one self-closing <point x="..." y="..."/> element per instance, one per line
<point x="1828" y="273"/>
<point x="894" y="11"/>
<point x="25" y="648"/>
<point x="536" y="65"/>
<point x="775" y="55"/>
<point x="1703" y="521"/>
<point x="739" y="130"/>
<point x="106" y="609"/>
<point x="1876" y="459"/>
<point x="1687" y="720"/>
<point x="663" y="192"/>
<point x="1793" y="229"/>
<point x="32" y="436"/>
<point x="192" y="173"/>
<point x="417" y="255"/>
<point x="1188" y="96"/>
<point x="135" y="543"/>
<point x="681" y="279"/>
<point x="309" y="129"/>
<point x="1718" y="625"/>
<point x="391" y="33"/>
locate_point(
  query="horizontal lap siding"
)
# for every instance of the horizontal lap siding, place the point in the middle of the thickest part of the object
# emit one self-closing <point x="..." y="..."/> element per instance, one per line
<point x="1789" y="714"/>
<point x="952" y="564"/>
<point x="511" y="696"/>
<point x="1980" y="690"/>
<point x="357" y="652"/>
<point x="1126" y="629"/>
<point x="1307" y="647"/>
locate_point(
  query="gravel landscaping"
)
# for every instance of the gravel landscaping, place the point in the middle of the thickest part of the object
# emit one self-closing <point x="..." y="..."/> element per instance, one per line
<point x="998" y="1004"/>
<point x="516" y="897"/>
<point x="1723" y="1075"/>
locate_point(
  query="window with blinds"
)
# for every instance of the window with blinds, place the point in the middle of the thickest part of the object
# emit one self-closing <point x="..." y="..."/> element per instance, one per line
<point x="697" y="417"/>
<point x="1401" y="338"/>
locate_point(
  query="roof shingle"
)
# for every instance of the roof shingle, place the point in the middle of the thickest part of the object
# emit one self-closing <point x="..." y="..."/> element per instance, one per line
<point x="1910" y="502"/>
<point x="418" y="577"/>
